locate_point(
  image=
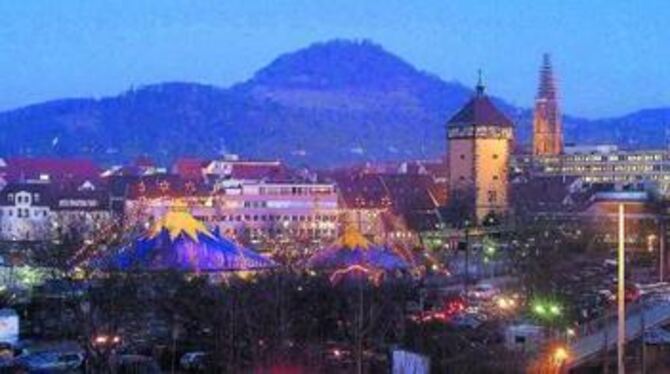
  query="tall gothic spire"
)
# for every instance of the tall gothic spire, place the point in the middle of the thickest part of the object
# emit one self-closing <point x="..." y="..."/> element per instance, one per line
<point x="547" y="89"/>
<point x="547" y="126"/>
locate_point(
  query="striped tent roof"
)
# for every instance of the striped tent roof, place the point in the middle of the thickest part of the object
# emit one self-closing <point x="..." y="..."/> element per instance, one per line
<point x="353" y="249"/>
<point x="180" y="242"/>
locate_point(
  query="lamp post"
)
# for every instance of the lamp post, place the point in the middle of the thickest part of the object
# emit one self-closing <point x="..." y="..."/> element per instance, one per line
<point x="621" y="302"/>
<point x="489" y="257"/>
<point x="661" y="250"/>
<point x="466" y="282"/>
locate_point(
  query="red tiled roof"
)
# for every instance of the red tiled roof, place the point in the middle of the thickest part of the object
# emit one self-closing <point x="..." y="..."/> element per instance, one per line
<point x="363" y="191"/>
<point x="402" y="192"/>
<point x="542" y="194"/>
<point x="480" y="111"/>
<point x="189" y="168"/>
<point x="437" y="169"/>
<point x="410" y="192"/>
<point x="249" y="170"/>
<point x="56" y="168"/>
<point x="259" y="171"/>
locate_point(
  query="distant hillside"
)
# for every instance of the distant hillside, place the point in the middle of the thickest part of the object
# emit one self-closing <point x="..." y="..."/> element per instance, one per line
<point x="331" y="103"/>
<point x="647" y="128"/>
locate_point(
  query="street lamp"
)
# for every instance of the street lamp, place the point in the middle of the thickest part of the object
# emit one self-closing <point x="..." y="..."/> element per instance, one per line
<point x="490" y="250"/>
<point x="547" y="310"/>
<point x="466" y="228"/>
<point x="560" y="356"/>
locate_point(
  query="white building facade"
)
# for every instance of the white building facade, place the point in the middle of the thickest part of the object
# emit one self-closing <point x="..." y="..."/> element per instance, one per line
<point x="254" y="210"/>
<point x="41" y="211"/>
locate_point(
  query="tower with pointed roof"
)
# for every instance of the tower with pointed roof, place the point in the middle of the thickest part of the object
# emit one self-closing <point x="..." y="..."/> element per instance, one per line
<point x="479" y="140"/>
<point x="547" y="126"/>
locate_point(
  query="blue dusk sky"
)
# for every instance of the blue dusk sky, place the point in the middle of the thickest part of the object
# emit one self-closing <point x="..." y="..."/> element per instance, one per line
<point x="611" y="56"/>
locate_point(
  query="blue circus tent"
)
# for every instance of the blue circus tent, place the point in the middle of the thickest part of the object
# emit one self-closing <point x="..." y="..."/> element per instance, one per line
<point x="180" y="242"/>
<point x="352" y="249"/>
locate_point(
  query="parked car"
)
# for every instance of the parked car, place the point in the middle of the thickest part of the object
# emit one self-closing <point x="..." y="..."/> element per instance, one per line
<point x="195" y="361"/>
<point x="51" y="361"/>
<point x="466" y="320"/>
<point x="483" y="291"/>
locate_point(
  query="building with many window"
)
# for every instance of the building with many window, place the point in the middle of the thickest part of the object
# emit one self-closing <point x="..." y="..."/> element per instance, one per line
<point x="246" y="210"/>
<point x="604" y="164"/>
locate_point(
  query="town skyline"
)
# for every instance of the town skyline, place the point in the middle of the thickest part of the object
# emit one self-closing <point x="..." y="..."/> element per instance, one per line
<point x="293" y="186"/>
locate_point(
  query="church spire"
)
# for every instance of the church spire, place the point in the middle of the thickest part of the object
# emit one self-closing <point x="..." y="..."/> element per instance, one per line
<point x="547" y="88"/>
<point x="547" y="124"/>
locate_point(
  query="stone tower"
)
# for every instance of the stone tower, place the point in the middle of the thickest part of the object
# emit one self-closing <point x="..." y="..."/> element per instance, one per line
<point x="479" y="140"/>
<point x="547" y="126"/>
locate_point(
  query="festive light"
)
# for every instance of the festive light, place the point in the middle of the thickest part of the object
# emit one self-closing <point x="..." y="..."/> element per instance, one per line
<point x="357" y="270"/>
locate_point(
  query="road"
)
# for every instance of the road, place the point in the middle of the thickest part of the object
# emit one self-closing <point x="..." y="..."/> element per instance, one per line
<point x="656" y="313"/>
